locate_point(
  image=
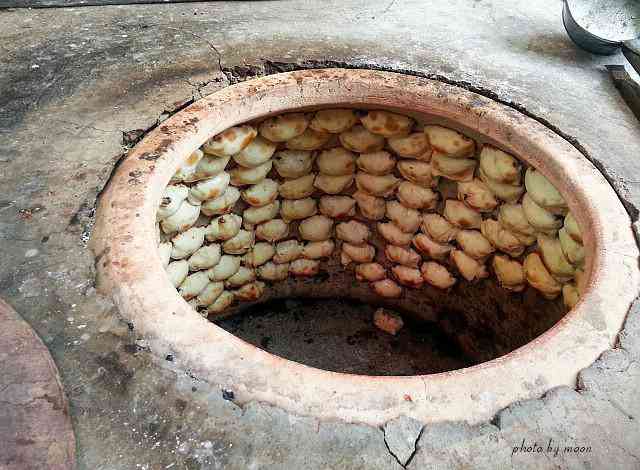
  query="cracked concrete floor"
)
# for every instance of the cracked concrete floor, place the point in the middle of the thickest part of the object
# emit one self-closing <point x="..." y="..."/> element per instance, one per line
<point x="73" y="80"/>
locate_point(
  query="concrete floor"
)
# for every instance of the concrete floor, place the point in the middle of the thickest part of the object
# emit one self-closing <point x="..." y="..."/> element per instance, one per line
<point x="73" y="80"/>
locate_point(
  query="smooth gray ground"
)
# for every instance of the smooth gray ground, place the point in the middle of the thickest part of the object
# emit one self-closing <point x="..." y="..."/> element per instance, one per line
<point x="72" y="80"/>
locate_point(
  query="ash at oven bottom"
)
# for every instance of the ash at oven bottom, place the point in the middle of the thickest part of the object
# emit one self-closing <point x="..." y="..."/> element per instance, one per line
<point x="339" y="335"/>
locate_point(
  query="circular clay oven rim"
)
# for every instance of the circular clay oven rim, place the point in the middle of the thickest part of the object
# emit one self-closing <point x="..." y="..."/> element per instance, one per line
<point x="130" y="270"/>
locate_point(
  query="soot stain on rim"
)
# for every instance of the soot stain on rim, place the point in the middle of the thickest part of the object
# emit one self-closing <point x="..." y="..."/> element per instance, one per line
<point x="261" y="377"/>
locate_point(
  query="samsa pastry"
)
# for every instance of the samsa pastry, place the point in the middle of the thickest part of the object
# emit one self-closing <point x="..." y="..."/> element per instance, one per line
<point x="187" y="242"/>
<point x="241" y="176"/>
<point x="239" y="244"/>
<point x="376" y="163"/>
<point x="437" y="275"/>
<point x="408" y="220"/>
<point x="370" y="272"/>
<point x="182" y="219"/>
<point x="468" y="267"/>
<point x="386" y="123"/>
<point x="193" y="284"/>
<point x="337" y="207"/>
<point x="317" y="250"/>
<point x="504" y="191"/>
<point x="460" y="215"/>
<point x="316" y="228"/>
<point x="283" y="127"/>
<point x="334" y="121"/>
<point x="554" y="258"/>
<point x="409" y="277"/>
<point x="401" y="255"/>
<point x="261" y="194"/>
<point x="223" y="302"/>
<point x="256" y="215"/>
<point x="304" y="267"/>
<point x="244" y="275"/>
<point x="438" y="228"/>
<point x="477" y="195"/>
<point x="208" y="167"/>
<point x="510" y="273"/>
<point x="273" y="272"/>
<point x="474" y="244"/>
<point x="188" y="168"/>
<point x="513" y="218"/>
<point x="501" y="238"/>
<point x="417" y="172"/>
<point x="205" y="257"/>
<point x="298" y="188"/>
<point x="374" y="185"/>
<point x="210" y="188"/>
<point x="573" y="250"/>
<point x="231" y="141"/>
<point x="333" y="184"/>
<point x="258" y="152"/>
<point x="416" y="197"/>
<point x="336" y="162"/>
<point x="449" y="143"/>
<point x="225" y="268"/>
<point x="543" y="192"/>
<point x="353" y="232"/>
<point x="387" y="288"/>
<point x="293" y="163"/>
<point x="259" y="254"/>
<point x="223" y="227"/>
<point x="222" y="204"/>
<point x="540" y="219"/>
<point x="210" y="293"/>
<point x="393" y="234"/>
<point x="357" y="253"/>
<point x="371" y="207"/>
<point x="309" y="140"/>
<point x="499" y="166"/>
<point x="177" y="271"/>
<point x="172" y="198"/>
<point x="431" y="249"/>
<point x="295" y="209"/>
<point x="572" y="228"/>
<point x="287" y="251"/>
<point x="360" y="140"/>
<point x="539" y="277"/>
<point x="272" y="230"/>
<point x="415" y="145"/>
<point x="250" y="292"/>
<point x="455" y="169"/>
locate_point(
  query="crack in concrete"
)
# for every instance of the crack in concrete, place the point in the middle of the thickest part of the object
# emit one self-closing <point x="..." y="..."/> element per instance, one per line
<point x="413" y="452"/>
<point x="619" y="407"/>
<point x="82" y="127"/>
<point x="212" y="46"/>
<point x="388" y="7"/>
<point x="386" y="444"/>
<point x="415" y="447"/>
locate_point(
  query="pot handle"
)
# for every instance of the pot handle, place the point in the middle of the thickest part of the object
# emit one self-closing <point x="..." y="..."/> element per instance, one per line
<point x="631" y="50"/>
